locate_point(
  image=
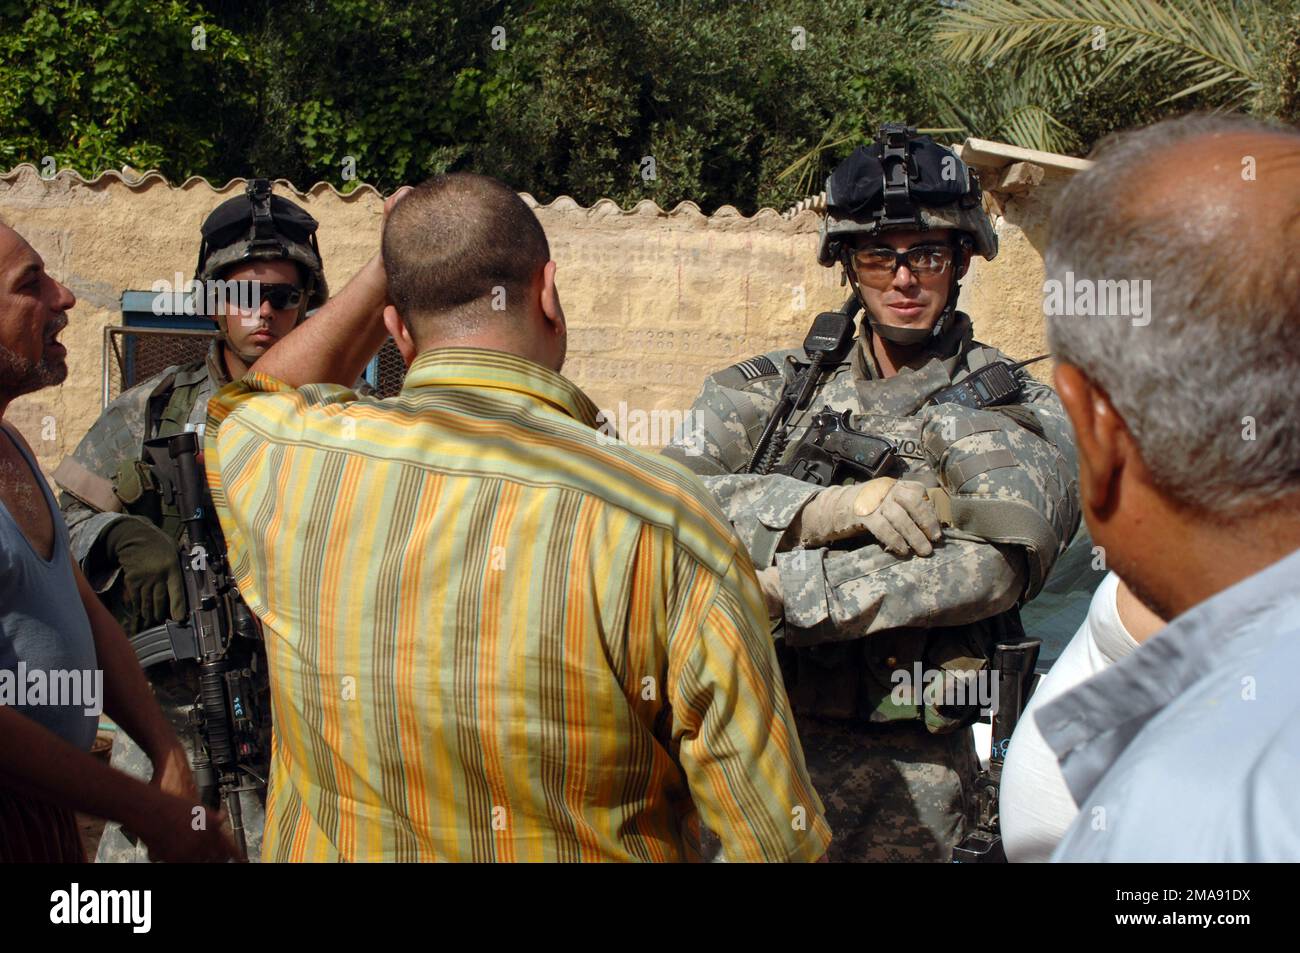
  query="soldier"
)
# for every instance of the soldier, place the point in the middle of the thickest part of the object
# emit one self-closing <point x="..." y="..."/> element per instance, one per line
<point x="867" y="589"/>
<point x="122" y="533"/>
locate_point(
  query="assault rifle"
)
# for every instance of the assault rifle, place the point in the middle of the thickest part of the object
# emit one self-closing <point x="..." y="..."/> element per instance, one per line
<point x="828" y="342"/>
<point x="1014" y="664"/>
<point x="220" y="633"/>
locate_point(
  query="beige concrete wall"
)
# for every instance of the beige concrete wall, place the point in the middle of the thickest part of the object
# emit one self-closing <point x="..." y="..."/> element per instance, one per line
<point x="1004" y="297"/>
<point x="655" y="300"/>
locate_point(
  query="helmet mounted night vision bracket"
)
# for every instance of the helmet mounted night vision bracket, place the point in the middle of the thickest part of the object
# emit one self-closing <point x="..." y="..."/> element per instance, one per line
<point x="897" y="208"/>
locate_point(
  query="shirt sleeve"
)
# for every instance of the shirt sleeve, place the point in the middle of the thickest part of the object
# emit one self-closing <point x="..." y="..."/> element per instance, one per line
<point x="245" y="418"/>
<point x="831" y="595"/>
<point x="717" y="449"/>
<point x="266" y="395"/>
<point x="734" y="729"/>
<point x="265" y="406"/>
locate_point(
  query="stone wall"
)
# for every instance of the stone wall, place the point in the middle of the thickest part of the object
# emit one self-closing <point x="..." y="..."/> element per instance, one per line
<point x="655" y="300"/>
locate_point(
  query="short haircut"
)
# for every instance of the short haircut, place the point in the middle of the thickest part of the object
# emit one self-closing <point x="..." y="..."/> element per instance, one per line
<point x="460" y="251"/>
<point x="1210" y="386"/>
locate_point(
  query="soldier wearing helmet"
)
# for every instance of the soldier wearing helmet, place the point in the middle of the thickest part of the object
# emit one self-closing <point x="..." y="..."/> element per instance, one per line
<point x="888" y="594"/>
<point x="267" y="239"/>
<point x="260" y="251"/>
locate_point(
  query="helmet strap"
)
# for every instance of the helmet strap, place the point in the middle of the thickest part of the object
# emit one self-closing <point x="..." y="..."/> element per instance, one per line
<point x="954" y="287"/>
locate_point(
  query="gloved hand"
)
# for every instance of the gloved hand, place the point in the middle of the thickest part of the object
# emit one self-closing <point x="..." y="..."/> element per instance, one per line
<point x="151" y="570"/>
<point x="897" y="513"/>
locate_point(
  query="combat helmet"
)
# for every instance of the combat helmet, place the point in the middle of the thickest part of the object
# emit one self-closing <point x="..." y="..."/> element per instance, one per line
<point x="900" y="182"/>
<point x="259" y="225"/>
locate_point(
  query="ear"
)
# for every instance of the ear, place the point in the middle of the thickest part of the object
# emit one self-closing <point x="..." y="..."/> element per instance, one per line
<point x="401" y="334"/>
<point x="1100" y="435"/>
<point x="550" y="300"/>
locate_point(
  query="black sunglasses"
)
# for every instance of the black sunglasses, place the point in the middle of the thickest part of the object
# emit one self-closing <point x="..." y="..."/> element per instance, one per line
<point x="280" y="295"/>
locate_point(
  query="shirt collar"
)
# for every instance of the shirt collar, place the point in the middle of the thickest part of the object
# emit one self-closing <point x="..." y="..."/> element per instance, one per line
<point x="482" y="367"/>
<point x="1090" y="726"/>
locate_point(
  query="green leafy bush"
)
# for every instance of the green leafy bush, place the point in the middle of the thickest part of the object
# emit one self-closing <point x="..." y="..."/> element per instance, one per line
<point x="715" y="101"/>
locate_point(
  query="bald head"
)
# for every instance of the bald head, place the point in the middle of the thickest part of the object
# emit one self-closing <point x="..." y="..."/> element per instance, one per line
<point x="1226" y="185"/>
<point x="33" y="310"/>
<point x="1235" y="172"/>
<point x="1200" y="217"/>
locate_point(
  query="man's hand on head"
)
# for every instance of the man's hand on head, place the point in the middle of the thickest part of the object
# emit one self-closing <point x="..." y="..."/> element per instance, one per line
<point x="341" y="338"/>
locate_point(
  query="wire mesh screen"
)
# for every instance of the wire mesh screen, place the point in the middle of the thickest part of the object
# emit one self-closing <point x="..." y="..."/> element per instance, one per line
<point x="391" y="370"/>
<point x="132" y="355"/>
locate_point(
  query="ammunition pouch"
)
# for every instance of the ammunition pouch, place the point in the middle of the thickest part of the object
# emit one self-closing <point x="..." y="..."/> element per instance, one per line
<point x="133" y="484"/>
<point x="876" y="679"/>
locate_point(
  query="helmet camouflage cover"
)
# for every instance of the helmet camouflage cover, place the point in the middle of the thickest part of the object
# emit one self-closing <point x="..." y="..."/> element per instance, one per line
<point x="260" y="226"/>
<point x="903" y="181"/>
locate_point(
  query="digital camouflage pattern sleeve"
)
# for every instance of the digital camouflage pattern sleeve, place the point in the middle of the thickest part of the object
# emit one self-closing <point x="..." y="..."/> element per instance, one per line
<point x="840" y="593"/>
<point x="117" y="435"/>
<point x="728" y="416"/>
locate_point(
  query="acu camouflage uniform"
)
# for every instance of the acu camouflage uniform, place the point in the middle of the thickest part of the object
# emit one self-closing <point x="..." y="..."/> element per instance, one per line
<point x="896" y="776"/>
<point x="107" y="478"/>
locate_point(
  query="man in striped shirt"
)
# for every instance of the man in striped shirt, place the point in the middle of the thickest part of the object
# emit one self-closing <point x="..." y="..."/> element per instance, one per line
<point x="494" y="634"/>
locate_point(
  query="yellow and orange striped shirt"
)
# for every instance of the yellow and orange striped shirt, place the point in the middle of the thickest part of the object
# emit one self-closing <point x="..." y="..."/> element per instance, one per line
<point x="495" y="634"/>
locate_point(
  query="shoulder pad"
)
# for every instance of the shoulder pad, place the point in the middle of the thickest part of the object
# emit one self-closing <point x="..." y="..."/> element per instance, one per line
<point x="981" y="354"/>
<point x="741" y="375"/>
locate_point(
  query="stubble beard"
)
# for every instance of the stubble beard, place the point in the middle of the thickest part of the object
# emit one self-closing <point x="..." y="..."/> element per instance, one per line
<point x="20" y="376"/>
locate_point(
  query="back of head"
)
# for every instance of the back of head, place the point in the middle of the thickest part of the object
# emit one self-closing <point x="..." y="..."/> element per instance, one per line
<point x="1174" y="286"/>
<point x="462" y="252"/>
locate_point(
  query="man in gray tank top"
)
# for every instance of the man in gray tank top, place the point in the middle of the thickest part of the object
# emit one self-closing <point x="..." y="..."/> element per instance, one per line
<point x="63" y="658"/>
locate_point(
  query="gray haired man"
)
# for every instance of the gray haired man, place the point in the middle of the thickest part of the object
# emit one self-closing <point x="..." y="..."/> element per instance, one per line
<point x="1184" y="411"/>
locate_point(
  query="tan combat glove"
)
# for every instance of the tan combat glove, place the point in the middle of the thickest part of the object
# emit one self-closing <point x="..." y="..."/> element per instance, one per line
<point x="897" y="513"/>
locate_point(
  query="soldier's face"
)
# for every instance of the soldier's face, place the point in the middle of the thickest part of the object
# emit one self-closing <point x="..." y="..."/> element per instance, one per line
<point x="33" y="310"/>
<point x="908" y="298"/>
<point x="250" y="334"/>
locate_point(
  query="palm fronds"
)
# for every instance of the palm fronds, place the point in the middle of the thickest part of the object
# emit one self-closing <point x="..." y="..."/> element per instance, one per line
<point x="1208" y="45"/>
